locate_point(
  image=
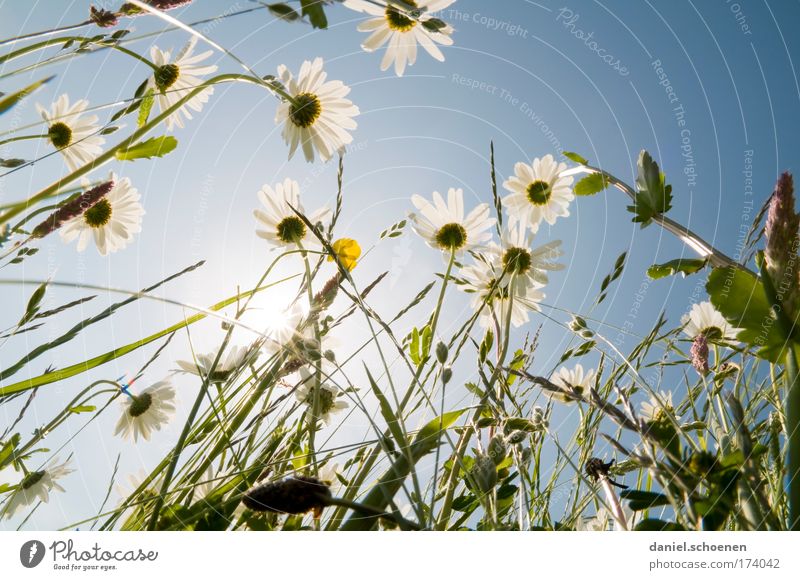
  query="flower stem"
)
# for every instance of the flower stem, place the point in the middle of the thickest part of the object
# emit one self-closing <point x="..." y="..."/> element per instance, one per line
<point x="22" y="138"/>
<point x="793" y="435"/>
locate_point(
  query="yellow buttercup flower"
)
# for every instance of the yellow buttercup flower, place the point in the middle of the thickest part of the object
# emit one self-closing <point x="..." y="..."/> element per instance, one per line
<point x="348" y="252"/>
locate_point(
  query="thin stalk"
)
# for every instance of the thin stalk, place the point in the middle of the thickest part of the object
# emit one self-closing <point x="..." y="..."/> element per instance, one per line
<point x="22" y="138"/>
<point x="793" y="436"/>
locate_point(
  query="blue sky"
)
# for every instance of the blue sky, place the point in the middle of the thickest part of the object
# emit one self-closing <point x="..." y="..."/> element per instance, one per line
<point x="709" y="88"/>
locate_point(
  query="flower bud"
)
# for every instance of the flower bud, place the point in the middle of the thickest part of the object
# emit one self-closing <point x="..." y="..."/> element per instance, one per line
<point x="498" y="449"/>
<point x="441" y="352"/>
<point x="484" y="473"/>
<point x="447" y="374"/>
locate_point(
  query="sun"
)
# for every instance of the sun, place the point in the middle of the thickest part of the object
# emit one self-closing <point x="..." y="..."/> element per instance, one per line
<point x="276" y="313"/>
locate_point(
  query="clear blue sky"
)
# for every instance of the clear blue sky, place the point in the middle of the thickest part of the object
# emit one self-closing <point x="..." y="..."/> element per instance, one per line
<point x="528" y="75"/>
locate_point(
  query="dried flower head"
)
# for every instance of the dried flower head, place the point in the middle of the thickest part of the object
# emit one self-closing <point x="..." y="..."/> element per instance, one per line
<point x="781" y="231"/>
<point x="103" y="18"/>
<point x="72" y="209"/>
<point x="297" y="494"/>
<point x="129" y="9"/>
<point x="699" y="352"/>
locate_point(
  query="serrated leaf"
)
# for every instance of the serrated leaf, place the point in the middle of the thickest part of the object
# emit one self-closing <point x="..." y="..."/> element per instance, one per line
<point x="155" y="147"/>
<point x="576" y="157"/>
<point x="740" y="297"/>
<point x="146" y="107"/>
<point x="654" y="195"/>
<point x="591" y="184"/>
<point x="316" y="14"/>
<point x="7" y="102"/>
<point x="685" y="266"/>
<point x="284" y="11"/>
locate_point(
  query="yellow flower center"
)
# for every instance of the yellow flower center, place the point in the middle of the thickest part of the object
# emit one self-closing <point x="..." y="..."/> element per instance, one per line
<point x="166" y="76"/>
<point x="291" y="230"/>
<point x="539" y="192"/>
<point x="305" y="110"/>
<point x="140" y="404"/>
<point x="451" y="237"/>
<point x="399" y="21"/>
<point x="517" y="260"/>
<point x="60" y="135"/>
<point x="99" y="214"/>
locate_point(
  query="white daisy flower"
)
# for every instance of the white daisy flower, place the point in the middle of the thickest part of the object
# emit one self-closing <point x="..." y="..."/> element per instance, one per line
<point x="75" y="136"/>
<point x="282" y="226"/>
<point x="704" y="319"/>
<point x="443" y="226"/>
<point x="37" y="485"/>
<point x="538" y="192"/>
<point x="403" y="31"/>
<point x="318" y="117"/>
<point x="492" y="294"/>
<point x="328" y="399"/>
<point x="574" y="380"/>
<point x="654" y="408"/>
<point x="146" y="412"/>
<point x="112" y="221"/>
<point x="230" y="361"/>
<point x="175" y="79"/>
<point x="517" y="256"/>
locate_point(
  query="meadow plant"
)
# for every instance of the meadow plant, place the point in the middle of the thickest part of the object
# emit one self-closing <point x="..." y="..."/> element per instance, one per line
<point x="695" y="427"/>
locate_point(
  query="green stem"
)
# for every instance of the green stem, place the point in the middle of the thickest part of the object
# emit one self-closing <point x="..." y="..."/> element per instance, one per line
<point x="63" y="40"/>
<point x="793" y="436"/>
<point x="22" y="138"/>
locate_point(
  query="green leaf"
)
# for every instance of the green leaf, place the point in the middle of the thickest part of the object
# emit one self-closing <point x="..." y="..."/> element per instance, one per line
<point x="7" y="102"/>
<point x="313" y="9"/>
<point x="642" y="500"/>
<point x="576" y="157"/>
<point x="11" y="163"/>
<point x="283" y="11"/>
<point x="34" y="302"/>
<point x="387" y="412"/>
<point x="428" y="437"/>
<point x="146" y="107"/>
<point x="654" y="196"/>
<point x="591" y="184"/>
<point x="7" y="451"/>
<point x="740" y="296"/>
<point x="414" y="346"/>
<point x="82" y="409"/>
<point x="685" y="266"/>
<point x="155" y="147"/>
<point x="425" y="347"/>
